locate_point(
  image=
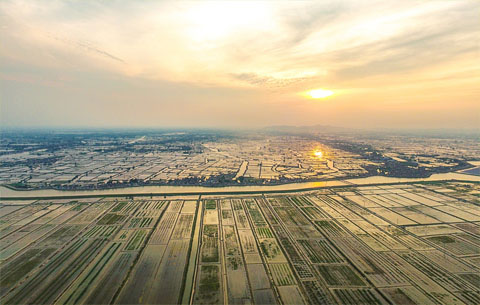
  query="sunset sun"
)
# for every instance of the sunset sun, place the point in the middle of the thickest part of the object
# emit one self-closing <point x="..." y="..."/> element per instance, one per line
<point x="319" y="93"/>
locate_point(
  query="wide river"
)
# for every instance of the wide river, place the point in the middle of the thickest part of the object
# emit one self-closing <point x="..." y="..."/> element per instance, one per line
<point x="9" y="193"/>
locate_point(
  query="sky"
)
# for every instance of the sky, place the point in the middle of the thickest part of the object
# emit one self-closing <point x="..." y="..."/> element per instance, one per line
<point x="387" y="64"/>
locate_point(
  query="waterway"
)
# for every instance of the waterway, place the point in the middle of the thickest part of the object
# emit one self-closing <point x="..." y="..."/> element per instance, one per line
<point x="167" y="189"/>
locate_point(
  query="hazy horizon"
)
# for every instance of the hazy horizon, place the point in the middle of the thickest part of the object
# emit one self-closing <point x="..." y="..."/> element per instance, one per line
<point x="127" y="64"/>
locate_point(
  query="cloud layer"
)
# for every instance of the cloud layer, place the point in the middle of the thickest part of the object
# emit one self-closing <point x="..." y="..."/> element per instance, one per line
<point x="149" y="63"/>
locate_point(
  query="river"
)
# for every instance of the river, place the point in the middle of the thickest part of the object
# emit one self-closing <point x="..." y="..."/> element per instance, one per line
<point x="9" y="193"/>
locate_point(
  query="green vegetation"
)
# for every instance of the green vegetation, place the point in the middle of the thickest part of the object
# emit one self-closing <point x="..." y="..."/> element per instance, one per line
<point x="234" y="262"/>
<point x="62" y="235"/>
<point x="231" y="245"/>
<point x="329" y="227"/>
<point x="264" y="232"/>
<point x="123" y="235"/>
<point x="210" y="244"/>
<point x="442" y="239"/>
<point x="22" y="265"/>
<point x="209" y="280"/>
<point x="211" y="205"/>
<point x="357" y="296"/>
<point x="237" y="205"/>
<point x="136" y="240"/>
<point x="473" y="278"/>
<point x="74" y="254"/>
<point x="92" y="275"/>
<point x="301" y="201"/>
<point x="399" y="297"/>
<point x="119" y="206"/>
<point x="101" y="231"/>
<point x="209" y="287"/>
<point x="71" y="271"/>
<point x="257" y="217"/>
<point x="18" y="186"/>
<point x="319" y="251"/>
<point x="79" y="206"/>
<point x="282" y="274"/>
<point x="270" y="248"/>
<point x="291" y="216"/>
<point x="227" y="214"/>
<point x="339" y="275"/>
<point x="110" y="219"/>
<point x="140" y="222"/>
<point x="315" y="293"/>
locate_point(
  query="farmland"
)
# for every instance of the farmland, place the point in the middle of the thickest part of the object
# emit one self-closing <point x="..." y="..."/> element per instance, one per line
<point x="378" y="244"/>
<point x="110" y="160"/>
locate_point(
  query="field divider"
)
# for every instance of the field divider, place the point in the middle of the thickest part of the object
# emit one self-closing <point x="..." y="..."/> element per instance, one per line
<point x="187" y="290"/>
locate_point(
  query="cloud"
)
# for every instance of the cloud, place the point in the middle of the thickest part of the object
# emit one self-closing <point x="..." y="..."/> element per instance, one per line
<point x="373" y="54"/>
<point x="199" y="42"/>
<point x="89" y="47"/>
<point x="267" y="81"/>
<point x="438" y="41"/>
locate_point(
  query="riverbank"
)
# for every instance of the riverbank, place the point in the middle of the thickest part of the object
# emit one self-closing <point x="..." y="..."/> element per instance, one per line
<point x="148" y="191"/>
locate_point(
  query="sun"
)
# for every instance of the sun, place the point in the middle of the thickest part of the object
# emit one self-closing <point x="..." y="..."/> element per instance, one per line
<point x="318" y="154"/>
<point x="319" y="93"/>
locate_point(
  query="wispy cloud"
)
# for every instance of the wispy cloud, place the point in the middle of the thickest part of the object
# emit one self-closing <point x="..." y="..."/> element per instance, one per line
<point x="87" y="46"/>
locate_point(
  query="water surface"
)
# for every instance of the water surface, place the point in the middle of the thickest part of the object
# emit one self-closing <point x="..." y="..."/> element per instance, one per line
<point x="168" y="189"/>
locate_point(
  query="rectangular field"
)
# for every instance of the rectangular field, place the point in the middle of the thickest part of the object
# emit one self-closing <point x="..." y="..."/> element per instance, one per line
<point x="395" y="244"/>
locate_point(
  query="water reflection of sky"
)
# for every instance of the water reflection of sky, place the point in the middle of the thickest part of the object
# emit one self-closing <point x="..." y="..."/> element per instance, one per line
<point x="6" y="192"/>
